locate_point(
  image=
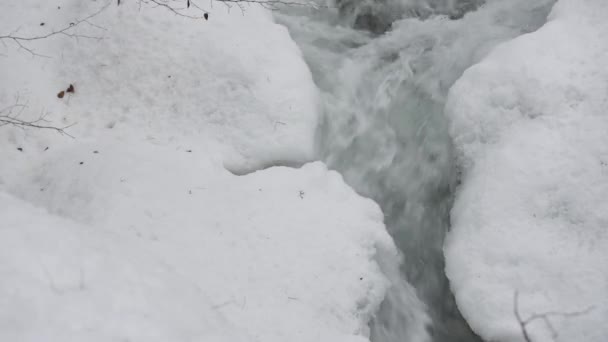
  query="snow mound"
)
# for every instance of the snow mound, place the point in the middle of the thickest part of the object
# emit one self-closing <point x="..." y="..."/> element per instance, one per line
<point x="138" y="229"/>
<point x="151" y="245"/>
<point x="236" y="82"/>
<point x="531" y="217"/>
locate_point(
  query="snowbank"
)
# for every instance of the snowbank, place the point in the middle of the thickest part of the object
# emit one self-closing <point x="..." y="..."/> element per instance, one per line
<point x="138" y="229"/>
<point x="236" y="82"/>
<point x="147" y="244"/>
<point x="529" y="124"/>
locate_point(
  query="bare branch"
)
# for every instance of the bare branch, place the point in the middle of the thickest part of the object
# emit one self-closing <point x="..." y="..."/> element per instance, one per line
<point x="545" y="317"/>
<point x="21" y="40"/>
<point x="9" y="116"/>
<point x="175" y="10"/>
<point x="522" y="324"/>
<point x="275" y="4"/>
<point x="179" y="7"/>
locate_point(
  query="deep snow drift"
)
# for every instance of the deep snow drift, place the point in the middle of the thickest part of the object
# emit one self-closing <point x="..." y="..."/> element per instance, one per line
<point x="135" y="230"/>
<point x="134" y="254"/>
<point x="531" y="130"/>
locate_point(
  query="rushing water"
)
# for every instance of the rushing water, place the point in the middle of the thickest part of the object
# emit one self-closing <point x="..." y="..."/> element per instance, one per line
<point x="384" y="68"/>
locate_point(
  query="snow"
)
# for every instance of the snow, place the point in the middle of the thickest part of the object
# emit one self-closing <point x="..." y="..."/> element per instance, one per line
<point x="180" y="81"/>
<point x="529" y="125"/>
<point x="172" y="248"/>
<point x="150" y="225"/>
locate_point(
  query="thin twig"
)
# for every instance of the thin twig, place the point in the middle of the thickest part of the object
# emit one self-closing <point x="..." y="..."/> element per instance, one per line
<point x="545" y="317"/>
<point x="178" y="7"/>
<point x="20" y="40"/>
<point x="9" y="116"/>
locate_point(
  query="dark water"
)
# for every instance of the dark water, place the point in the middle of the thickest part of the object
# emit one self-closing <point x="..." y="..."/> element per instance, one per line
<point x="384" y="69"/>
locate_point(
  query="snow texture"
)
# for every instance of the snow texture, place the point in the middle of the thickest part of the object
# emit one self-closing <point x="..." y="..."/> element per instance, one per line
<point x="180" y="82"/>
<point x="138" y="229"/>
<point x="531" y="216"/>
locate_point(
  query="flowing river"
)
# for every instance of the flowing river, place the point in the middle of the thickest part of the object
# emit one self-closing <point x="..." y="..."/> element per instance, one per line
<point x="384" y="69"/>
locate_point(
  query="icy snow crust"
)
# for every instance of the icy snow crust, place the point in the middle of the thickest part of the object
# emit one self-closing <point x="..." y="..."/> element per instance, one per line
<point x="135" y="230"/>
<point x="530" y="127"/>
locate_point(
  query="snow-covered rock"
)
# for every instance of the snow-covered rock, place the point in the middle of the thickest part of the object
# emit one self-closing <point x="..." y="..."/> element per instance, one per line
<point x="530" y="125"/>
<point x="146" y="244"/>
<point x="235" y="82"/>
<point x="138" y="229"/>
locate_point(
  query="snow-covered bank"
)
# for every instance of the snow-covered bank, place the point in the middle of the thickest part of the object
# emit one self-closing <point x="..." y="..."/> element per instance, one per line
<point x="160" y="246"/>
<point x="235" y="84"/>
<point x="135" y="230"/>
<point x="530" y="126"/>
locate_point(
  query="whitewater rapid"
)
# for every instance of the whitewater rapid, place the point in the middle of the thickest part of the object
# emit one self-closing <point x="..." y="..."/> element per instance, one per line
<point x="384" y="70"/>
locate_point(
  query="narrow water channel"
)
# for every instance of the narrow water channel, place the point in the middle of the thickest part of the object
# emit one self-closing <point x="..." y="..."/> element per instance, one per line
<point x="384" y="68"/>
